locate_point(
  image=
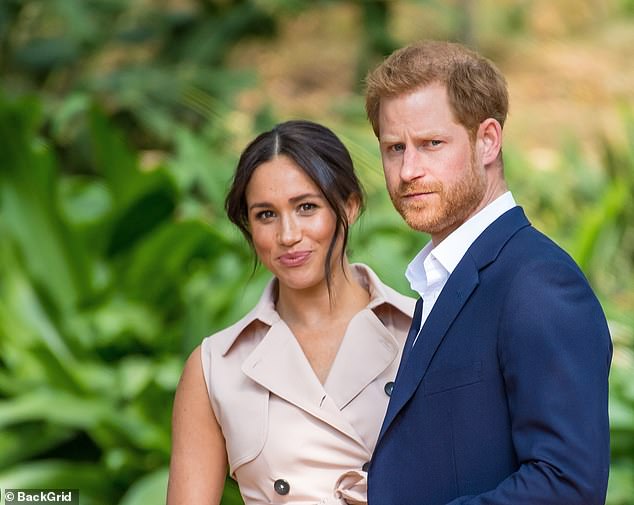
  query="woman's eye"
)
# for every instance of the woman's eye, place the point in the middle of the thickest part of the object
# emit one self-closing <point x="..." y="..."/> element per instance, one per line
<point x="307" y="207"/>
<point x="264" y="215"/>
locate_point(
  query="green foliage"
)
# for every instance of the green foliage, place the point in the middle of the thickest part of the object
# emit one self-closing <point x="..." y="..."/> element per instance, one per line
<point x="98" y="311"/>
<point x="110" y="276"/>
<point x="118" y="140"/>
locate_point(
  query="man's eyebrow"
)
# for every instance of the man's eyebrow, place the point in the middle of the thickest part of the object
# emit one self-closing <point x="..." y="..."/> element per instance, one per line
<point x="386" y="139"/>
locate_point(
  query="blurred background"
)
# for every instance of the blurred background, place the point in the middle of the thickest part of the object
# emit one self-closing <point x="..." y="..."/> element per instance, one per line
<point x="120" y="125"/>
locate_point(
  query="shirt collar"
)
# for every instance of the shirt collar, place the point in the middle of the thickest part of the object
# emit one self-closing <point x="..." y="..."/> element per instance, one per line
<point x="415" y="272"/>
<point x="451" y="250"/>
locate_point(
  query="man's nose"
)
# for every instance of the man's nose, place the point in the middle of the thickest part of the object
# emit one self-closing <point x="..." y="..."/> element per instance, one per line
<point x="413" y="165"/>
<point x="290" y="231"/>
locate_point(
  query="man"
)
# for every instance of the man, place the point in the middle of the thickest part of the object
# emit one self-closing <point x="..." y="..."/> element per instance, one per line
<point x="501" y="396"/>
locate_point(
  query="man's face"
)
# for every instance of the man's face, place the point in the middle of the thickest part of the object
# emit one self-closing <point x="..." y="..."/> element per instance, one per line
<point x="433" y="175"/>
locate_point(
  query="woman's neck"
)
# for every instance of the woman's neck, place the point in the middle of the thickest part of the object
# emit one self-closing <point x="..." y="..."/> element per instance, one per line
<point x="309" y="308"/>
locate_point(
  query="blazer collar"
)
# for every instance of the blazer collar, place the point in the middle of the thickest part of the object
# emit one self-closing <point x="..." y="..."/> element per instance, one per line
<point x="461" y="283"/>
<point x="488" y="246"/>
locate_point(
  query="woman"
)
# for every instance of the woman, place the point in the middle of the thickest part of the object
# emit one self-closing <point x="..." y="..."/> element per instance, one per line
<point x="292" y="396"/>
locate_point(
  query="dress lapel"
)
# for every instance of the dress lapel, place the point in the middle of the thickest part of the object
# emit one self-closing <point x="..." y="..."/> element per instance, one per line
<point x="279" y="364"/>
<point x="367" y="349"/>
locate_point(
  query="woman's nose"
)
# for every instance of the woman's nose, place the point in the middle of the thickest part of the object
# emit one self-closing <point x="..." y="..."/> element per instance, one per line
<point x="290" y="231"/>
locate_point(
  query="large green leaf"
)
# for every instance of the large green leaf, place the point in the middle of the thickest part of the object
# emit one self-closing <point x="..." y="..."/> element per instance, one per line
<point x="94" y="486"/>
<point x="158" y="264"/>
<point x="28" y="183"/>
<point x="40" y="436"/>
<point x="151" y="488"/>
<point x="55" y="407"/>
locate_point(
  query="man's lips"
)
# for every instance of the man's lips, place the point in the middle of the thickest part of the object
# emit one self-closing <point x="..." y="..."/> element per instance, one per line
<point x="417" y="195"/>
<point x="294" y="259"/>
<point x="418" y="190"/>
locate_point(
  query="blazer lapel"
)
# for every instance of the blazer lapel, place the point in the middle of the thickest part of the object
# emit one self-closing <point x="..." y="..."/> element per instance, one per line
<point x="460" y="285"/>
<point x="413" y="331"/>
<point x="279" y="364"/>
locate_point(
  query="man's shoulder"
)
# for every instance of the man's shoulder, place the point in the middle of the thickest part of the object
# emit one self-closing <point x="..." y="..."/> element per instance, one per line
<point x="514" y="234"/>
<point x="512" y="246"/>
<point x="534" y="243"/>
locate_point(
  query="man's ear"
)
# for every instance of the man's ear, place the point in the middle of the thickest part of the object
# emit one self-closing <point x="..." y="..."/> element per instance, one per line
<point x="489" y="140"/>
<point x="353" y="206"/>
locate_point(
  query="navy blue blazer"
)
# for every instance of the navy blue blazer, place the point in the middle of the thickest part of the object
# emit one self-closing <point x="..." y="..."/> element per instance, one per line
<point x="504" y="398"/>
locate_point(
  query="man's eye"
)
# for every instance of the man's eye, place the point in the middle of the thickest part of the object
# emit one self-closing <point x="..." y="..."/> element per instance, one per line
<point x="435" y="143"/>
<point x="398" y="147"/>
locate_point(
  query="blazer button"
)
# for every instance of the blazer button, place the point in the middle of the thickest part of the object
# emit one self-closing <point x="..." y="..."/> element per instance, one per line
<point x="389" y="387"/>
<point x="366" y="466"/>
<point x="281" y="486"/>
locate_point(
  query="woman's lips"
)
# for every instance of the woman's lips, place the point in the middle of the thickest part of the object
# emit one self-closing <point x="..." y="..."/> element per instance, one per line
<point x="294" y="259"/>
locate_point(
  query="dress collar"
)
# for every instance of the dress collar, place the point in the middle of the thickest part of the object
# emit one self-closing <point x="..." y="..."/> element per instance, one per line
<point x="265" y="312"/>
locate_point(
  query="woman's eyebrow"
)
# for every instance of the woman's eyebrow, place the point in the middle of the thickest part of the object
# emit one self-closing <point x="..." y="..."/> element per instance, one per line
<point x="303" y="196"/>
<point x="294" y="199"/>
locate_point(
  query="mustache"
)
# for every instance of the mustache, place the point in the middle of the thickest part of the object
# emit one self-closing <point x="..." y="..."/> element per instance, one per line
<point x="409" y="188"/>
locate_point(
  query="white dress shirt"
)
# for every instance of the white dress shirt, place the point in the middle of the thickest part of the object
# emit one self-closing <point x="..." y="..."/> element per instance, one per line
<point x="428" y="272"/>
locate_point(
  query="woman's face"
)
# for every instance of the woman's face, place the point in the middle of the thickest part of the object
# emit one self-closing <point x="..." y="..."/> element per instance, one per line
<point x="291" y="223"/>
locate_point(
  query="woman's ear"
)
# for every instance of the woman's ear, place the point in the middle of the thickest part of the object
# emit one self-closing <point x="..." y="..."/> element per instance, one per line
<point x="489" y="140"/>
<point x="353" y="206"/>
